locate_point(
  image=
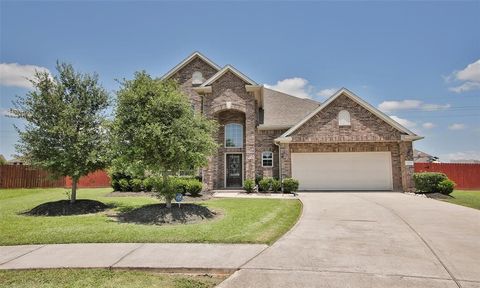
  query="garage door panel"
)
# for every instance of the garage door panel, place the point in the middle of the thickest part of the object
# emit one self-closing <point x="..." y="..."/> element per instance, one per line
<point x="343" y="171"/>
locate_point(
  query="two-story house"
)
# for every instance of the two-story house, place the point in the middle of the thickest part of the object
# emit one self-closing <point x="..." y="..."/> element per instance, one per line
<point x="343" y="143"/>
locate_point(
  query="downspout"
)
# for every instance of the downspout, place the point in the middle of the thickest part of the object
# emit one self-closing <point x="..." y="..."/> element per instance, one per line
<point x="280" y="176"/>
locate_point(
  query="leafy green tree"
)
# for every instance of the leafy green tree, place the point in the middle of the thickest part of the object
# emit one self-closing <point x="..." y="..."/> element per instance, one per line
<point x="65" y="117"/>
<point x="156" y="129"/>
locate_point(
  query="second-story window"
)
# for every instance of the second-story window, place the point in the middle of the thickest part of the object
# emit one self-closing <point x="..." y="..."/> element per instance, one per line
<point x="234" y="135"/>
<point x="197" y="78"/>
<point x="343" y="118"/>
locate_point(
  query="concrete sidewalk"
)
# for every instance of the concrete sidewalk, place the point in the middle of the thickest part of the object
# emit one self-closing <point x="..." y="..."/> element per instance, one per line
<point x="213" y="258"/>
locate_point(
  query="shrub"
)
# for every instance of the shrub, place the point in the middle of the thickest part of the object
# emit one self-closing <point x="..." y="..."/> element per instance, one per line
<point x="194" y="187"/>
<point x="124" y="185"/>
<point x="181" y="184"/>
<point x="446" y="186"/>
<point x="276" y="185"/>
<point x="265" y="184"/>
<point x="290" y="185"/>
<point x="166" y="190"/>
<point x="427" y="182"/>
<point x="136" y="185"/>
<point x="249" y="185"/>
<point x="148" y="184"/>
<point x="258" y="178"/>
<point x="115" y="185"/>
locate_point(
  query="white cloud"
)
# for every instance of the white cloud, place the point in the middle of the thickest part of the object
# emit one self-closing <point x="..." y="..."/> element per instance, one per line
<point x="465" y="155"/>
<point x="456" y="126"/>
<point x="467" y="86"/>
<point x="404" y="122"/>
<point x="327" y="92"/>
<point x="470" y="76"/>
<point x="294" y="86"/>
<point x="13" y="74"/>
<point x="428" y="125"/>
<point x="5" y="112"/>
<point x="390" y="106"/>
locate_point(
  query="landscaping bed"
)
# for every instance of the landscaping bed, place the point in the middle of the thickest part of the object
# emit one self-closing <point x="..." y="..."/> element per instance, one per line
<point x="65" y="208"/>
<point x="186" y="198"/>
<point x="159" y="214"/>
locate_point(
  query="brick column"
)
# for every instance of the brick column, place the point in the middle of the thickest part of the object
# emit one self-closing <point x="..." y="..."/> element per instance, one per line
<point x="285" y="159"/>
<point x="406" y="154"/>
<point x="250" y="120"/>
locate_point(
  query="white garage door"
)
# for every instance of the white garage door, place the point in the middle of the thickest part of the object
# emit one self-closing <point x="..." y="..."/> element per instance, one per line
<point x="343" y="171"/>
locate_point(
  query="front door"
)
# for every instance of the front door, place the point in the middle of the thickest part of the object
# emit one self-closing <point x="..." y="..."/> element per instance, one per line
<point x="233" y="170"/>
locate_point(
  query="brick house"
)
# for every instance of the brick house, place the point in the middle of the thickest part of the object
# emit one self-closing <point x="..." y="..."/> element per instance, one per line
<point x="343" y="143"/>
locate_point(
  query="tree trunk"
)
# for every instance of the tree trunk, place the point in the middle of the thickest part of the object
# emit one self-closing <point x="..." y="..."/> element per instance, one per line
<point x="73" y="197"/>
<point x="168" y="199"/>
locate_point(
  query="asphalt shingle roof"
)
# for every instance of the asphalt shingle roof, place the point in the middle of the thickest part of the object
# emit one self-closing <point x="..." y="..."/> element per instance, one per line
<point x="283" y="110"/>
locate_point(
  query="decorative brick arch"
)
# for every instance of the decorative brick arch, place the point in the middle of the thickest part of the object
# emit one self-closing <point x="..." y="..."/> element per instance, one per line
<point x="224" y="107"/>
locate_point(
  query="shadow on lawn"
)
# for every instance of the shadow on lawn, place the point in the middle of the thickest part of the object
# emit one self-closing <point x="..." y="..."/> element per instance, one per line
<point x="65" y="208"/>
<point x="159" y="214"/>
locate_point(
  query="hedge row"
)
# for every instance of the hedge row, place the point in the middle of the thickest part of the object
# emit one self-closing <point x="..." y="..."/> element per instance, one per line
<point x="271" y="184"/>
<point x="183" y="185"/>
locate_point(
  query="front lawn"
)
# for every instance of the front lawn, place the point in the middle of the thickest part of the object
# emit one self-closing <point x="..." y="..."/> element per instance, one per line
<point x="102" y="278"/>
<point x="242" y="220"/>
<point x="469" y="198"/>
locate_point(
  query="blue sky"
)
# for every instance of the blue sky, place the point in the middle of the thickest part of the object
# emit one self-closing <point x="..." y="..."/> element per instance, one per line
<point x="417" y="61"/>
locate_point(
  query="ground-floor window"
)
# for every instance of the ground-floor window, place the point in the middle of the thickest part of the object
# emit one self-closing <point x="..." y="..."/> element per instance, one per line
<point x="267" y="159"/>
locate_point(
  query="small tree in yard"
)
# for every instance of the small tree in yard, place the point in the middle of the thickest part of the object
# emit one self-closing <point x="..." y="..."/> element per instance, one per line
<point x="155" y="128"/>
<point x="64" y="131"/>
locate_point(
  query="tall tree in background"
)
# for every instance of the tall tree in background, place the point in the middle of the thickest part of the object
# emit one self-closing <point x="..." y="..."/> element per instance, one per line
<point x="156" y="129"/>
<point x="65" y="118"/>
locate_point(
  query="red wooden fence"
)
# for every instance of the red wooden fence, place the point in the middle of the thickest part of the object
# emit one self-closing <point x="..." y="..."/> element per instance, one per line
<point x="466" y="176"/>
<point x="96" y="179"/>
<point x="21" y="176"/>
<point x="24" y="176"/>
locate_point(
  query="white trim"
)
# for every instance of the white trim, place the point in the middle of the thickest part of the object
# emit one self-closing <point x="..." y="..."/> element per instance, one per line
<point x="273" y="127"/>
<point x="271" y="152"/>
<point x="225" y="168"/>
<point x="186" y="61"/>
<point x="225" y="136"/>
<point x="411" y="137"/>
<point x="357" y="99"/>
<point x="225" y="70"/>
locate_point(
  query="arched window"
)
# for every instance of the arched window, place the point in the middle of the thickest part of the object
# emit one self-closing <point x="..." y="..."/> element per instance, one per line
<point x="343" y="118"/>
<point x="234" y="135"/>
<point x="197" y="78"/>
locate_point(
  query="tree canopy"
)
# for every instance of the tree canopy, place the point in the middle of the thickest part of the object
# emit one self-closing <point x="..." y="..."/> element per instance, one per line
<point x="65" y="123"/>
<point x="155" y="128"/>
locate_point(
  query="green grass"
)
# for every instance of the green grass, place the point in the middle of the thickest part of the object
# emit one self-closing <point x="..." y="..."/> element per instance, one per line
<point x="467" y="198"/>
<point x="242" y="221"/>
<point x="81" y="278"/>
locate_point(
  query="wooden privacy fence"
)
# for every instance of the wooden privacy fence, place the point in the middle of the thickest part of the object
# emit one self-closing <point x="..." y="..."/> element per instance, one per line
<point x="97" y="179"/>
<point x="465" y="175"/>
<point x="22" y="176"/>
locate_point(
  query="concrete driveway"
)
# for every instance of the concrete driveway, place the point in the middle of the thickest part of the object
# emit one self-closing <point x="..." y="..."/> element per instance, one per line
<point x="371" y="240"/>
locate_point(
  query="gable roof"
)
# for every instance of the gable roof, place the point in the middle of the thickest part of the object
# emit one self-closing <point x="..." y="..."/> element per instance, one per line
<point x="358" y="100"/>
<point x="225" y="70"/>
<point x="282" y="110"/>
<point x="188" y="60"/>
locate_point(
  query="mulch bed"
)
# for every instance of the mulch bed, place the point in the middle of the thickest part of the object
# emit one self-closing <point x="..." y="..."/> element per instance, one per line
<point x="438" y="196"/>
<point x="64" y="208"/>
<point x="159" y="214"/>
<point x="186" y="198"/>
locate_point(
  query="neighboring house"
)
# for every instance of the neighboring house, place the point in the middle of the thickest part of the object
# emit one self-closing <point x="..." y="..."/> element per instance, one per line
<point x="16" y="161"/>
<point x="341" y="144"/>
<point x="422" y="157"/>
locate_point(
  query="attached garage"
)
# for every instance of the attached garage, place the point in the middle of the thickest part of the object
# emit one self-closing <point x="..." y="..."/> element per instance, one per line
<point x="343" y="170"/>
